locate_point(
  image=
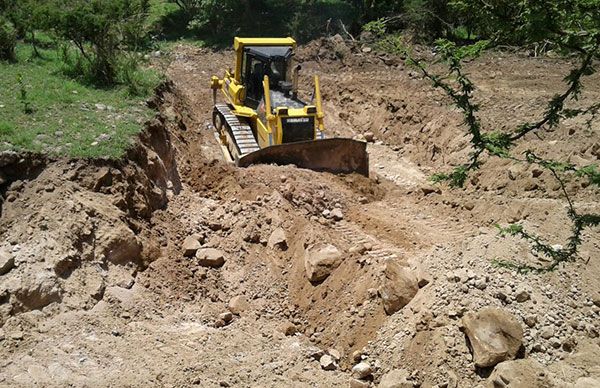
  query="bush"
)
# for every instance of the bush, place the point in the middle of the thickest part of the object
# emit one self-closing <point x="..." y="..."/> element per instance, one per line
<point x="139" y="82"/>
<point x="8" y="40"/>
<point x="102" y="31"/>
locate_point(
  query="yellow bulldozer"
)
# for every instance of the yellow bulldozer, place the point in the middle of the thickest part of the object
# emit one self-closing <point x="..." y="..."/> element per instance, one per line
<point x="263" y="119"/>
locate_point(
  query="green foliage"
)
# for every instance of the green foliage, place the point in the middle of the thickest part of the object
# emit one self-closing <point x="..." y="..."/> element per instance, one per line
<point x="8" y="39"/>
<point x="66" y="120"/>
<point x="393" y="44"/>
<point x="376" y="27"/>
<point x="221" y="20"/>
<point x="456" y="178"/>
<point x="101" y="30"/>
<point x="521" y="22"/>
<point x="139" y="82"/>
<point x="27" y="109"/>
<point x="591" y="172"/>
<point x="30" y="16"/>
<point x="499" y="144"/>
<point x="427" y="19"/>
<point x="369" y="10"/>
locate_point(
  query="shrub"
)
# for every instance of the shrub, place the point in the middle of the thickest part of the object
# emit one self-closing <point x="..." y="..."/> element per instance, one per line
<point x="139" y="82"/>
<point x="101" y="30"/>
<point x="8" y="40"/>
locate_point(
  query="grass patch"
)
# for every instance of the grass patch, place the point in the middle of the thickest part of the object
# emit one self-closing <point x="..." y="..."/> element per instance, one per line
<point x="67" y="118"/>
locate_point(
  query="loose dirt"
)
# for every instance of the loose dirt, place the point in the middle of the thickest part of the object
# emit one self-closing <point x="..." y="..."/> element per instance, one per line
<point x="99" y="292"/>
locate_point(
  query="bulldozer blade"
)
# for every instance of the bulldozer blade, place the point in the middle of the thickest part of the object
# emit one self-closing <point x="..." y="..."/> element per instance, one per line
<point x="336" y="155"/>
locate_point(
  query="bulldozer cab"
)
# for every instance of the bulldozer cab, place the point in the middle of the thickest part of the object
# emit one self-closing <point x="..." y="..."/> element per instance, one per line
<point x="272" y="61"/>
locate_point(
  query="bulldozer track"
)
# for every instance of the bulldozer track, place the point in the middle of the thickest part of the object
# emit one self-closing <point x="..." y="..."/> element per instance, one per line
<point x="354" y="235"/>
<point x="242" y="133"/>
<point x="392" y="74"/>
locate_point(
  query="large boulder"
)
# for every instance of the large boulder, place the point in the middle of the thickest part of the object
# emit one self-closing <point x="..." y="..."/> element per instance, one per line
<point x="398" y="288"/>
<point x="494" y="335"/>
<point x="191" y="246"/>
<point x="238" y="304"/>
<point x="362" y="370"/>
<point x="119" y="245"/>
<point x="37" y="292"/>
<point x="320" y="260"/>
<point x="396" y="378"/>
<point x="518" y="374"/>
<point x="210" y="257"/>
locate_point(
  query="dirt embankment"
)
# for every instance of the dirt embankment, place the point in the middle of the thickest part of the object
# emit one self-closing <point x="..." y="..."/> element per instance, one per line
<point x="71" y="229"/>
<point x="172" y="268"/>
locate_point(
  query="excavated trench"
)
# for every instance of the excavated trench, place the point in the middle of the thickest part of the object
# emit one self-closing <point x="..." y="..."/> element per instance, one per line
<point x="96" y="225"/>
<point x="242" y="211"/>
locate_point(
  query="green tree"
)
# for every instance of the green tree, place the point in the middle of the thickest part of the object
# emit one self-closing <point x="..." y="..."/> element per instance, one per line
<point x="30" y="16"/>
<point x="8" y="39"/>
<point x="101" y="30"/>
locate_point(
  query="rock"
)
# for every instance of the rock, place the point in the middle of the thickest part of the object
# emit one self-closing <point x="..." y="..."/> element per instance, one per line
<point x="522" y="296"/>
<point x="530" y="320"/>
<point x="340" y="48"/>
<point x="569" y="344"/>
<point x="320" y="260"/>
<point x="596" y="299"/>
<point x="39" y="292"/>
<point x="337" y="356"/>
<point x="369" y="136"/>
<point x="360" y="249"/>
<point x="354" y="383"/>
<point x="191" y="246"/>
<point x="100" y="107"/>
<point x="17" y="335"/>
<point x="429" y="189"/>
<point x="525" y="373"/>
<point x="480" y="284"/>
<point x="288" y="328"/>
<point x="315" y="353"/>
<point x="398" y="288"/>
<point x="120" y="245"/>
<point x="226" y="317"/>
<point x="362" y="370"/>
<point x="278" y="239"/>
<point x="7" y="262"/>
<point x="201" y="273"/>
<point x="547" y="332"/>
<point x="337" y="214"/>
<point x="536" y="172"/>
<point x="327" y="362"/>
<point x="366" y="49"/>
<point x="357" y="355"/>
<point x="210" y="257"/>
<point x="238" y="304"/>
<point x="103" y="137"/>
<point x="494" y="335"/>
<point x="396" y="378"/>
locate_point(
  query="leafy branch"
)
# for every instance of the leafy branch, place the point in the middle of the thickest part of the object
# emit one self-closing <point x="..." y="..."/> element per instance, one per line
<point x="499" y="144"/>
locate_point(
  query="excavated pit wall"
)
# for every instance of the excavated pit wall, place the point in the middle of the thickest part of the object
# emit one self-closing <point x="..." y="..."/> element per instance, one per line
<point x="71" y="229"/>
